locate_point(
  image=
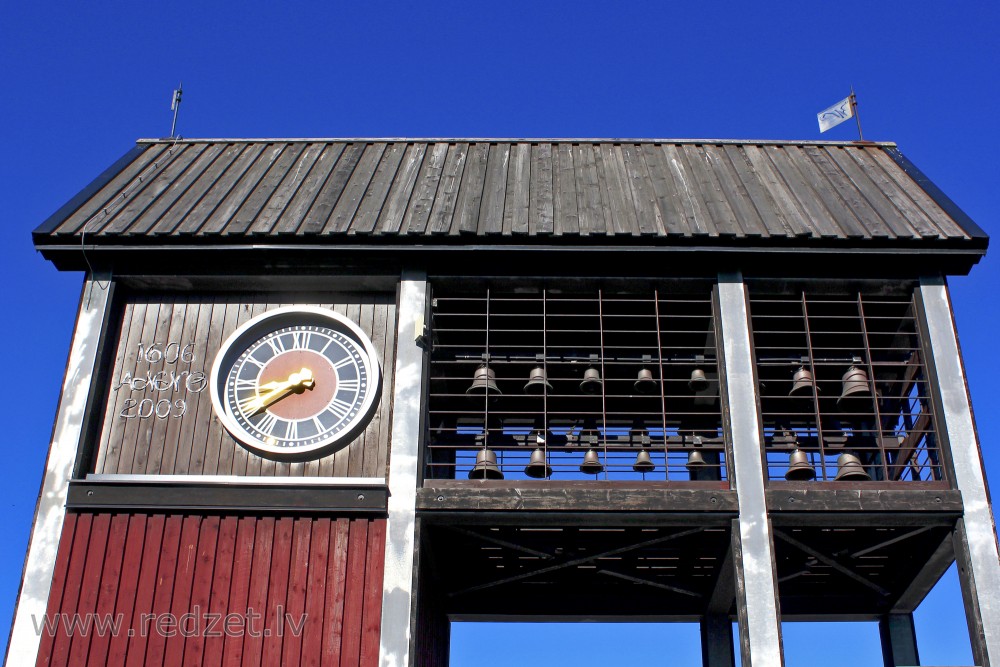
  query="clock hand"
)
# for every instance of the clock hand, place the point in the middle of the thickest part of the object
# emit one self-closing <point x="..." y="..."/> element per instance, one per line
<point x="277" y="390"/>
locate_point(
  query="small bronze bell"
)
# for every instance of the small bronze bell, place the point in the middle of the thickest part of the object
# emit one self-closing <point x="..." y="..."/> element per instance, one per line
<point x="591" y="463"/>
<point x="592" y="383"/>
<point x="645" y="384"/>
<point x="486" y="466"/>
<point x="484" y="383"/>
<point x="799" y="467"/>
<point x="643" y="463"/>
<point x="855" y="395"/>
<point x="538" y="467"/>
<point x="537" y="383"/>
<point x="849" y="469"/>
<point x="695" y="459"/>
<point x="698" y="381"/>
<point x="803" y="383"/>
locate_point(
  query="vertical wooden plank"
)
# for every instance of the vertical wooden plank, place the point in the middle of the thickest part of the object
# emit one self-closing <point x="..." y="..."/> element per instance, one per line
<point x="231" y="214"/>
<point x="566" y="216"/>
<point x="708" y="190"/>
<point x="389" y="354"/>
<point x="588" y="193"/>
<point x="74" y="581"/>
<point x="221" y="577"/>
<point x="697" y="215"/>
<point x="175" y="187"/>
<point x="160" y="455"/>
<point x="347" y="206"/>
<point x="668" y="196"/>
<point x="357" y="549"/>
<point x="541" y="192"/>
<point x="166" y="573"/>
<point x="293" y="624"/>
<point x="149" y="190"/>
<point x="223" y="183"/>
<point x="239" y="587"/>
<point x="372" y="605"/>
<point x="315" y="594"/>
<point x="145" y="590"/>
<point x="620" y="202"/>
<point x="90" y="585"/>
<point x="207" y="560"/>
<point x="219" y="445"/>
<point x="644" y="198"/>
<point x="332" y="190"/>
<point x="491" y="209"/>
<point x="342" y="459"/>
<point x="59" y="575"/>
<point x="277" y="594"/>
<point x="367" y="438"/>
<point x="418" y="211"/>
<point x="285" y="191"/>
<point x="390" y="220"/>
<point x="791" y="215"/>
<point x="335" y="592"/>
<point x="517" y="188"/>
<point x="269" y="185"/>
<point x="110" y="584"/>
<point x="199" y="331"/>
<point x="378" y="190"/>
<point x="116" y="397"/>
<point x="128" y="586"/>
<point x="253" y="644"/>
<point x="470" y="192"/>
<point x="180" y="211"/>
<point x="735" y="193"/>
<point x="820" y="204"/>
<point x="443" y="209"/>
<point x="128" y="428"/>
<point x="373" y="433"/>
<point x="180" y="602"/>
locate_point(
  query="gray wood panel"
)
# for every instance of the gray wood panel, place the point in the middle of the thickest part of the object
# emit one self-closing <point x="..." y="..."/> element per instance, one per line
<point x="159" y="418"/>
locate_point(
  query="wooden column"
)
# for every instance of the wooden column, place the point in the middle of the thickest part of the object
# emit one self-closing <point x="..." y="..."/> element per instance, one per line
<point x="717" y="642"/>
<point x="975" y="539"/>
<point x="753" y="551"/>
<point x="396" y="644"/>
<point x="899" y="640"/>
<point x="67" y="439"/>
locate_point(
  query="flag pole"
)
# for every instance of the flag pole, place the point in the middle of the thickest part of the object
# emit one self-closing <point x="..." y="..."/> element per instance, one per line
<point x="857" y="116"/>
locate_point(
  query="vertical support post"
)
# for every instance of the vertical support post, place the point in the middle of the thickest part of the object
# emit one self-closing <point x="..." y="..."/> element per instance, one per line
<point x="717" y="642"/>
<point x="404" y="460"/>
<point x="975" y="537"/>
<point x="753" y="551"/>
<point x="899" y="640"/>
<point x="67" y="438"/>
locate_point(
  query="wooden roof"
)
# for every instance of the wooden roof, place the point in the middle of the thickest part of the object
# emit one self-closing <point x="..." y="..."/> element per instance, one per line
<point x="497" y="192"/>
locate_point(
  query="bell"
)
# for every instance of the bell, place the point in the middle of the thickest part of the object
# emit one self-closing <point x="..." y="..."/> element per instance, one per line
<point x="849" y="469"/>
<point x="537" y="384"/>
<point x="855" y="395"/>
<point x="645" y="384"/>
<point x="698" y="381"/>
<point x="538" y="467"/>
<point x="802" y="383"/>
<point x="695" y="459"/>
<point x="643" y="463"/>
<point x="799" y="467"/>
<point x="592" y="383"/>
<point x="486" y="466"/>
<point x="484" y="383"/>
<point x="591" y="463"/>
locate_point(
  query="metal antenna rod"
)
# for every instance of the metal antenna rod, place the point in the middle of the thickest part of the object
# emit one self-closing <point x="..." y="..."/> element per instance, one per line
<point x="175" y="106"/>
<point x="857" y="116"/>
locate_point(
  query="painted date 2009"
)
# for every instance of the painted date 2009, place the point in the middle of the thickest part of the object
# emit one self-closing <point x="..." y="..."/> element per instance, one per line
<point x="147" y="407"/>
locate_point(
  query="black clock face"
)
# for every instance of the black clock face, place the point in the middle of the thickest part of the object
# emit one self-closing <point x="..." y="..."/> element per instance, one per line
<point x="296" y="382"/>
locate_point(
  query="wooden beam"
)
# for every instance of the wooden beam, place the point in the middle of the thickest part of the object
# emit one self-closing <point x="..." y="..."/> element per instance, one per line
<point x="836" y="565"/>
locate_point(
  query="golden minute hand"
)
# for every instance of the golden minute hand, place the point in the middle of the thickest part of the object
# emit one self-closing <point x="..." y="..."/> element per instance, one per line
<point x="277" y="390"/>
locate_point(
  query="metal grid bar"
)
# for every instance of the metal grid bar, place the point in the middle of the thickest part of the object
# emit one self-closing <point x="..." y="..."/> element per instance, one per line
<point x="866" y="392"/>
<point x="565" y="333"/>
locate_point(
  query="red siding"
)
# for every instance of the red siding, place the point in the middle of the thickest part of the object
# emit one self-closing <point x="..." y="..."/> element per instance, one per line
<point x="297" y="591"/>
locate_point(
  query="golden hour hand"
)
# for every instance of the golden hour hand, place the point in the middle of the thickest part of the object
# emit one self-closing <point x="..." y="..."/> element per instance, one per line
<point x="276" y="390"/>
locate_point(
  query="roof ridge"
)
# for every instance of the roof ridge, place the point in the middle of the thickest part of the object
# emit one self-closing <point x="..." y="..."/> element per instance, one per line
<point x="566" y="140"/>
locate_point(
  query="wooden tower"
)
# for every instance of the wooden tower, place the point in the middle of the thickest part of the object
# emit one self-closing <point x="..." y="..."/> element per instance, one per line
<point x="325" y="397"/>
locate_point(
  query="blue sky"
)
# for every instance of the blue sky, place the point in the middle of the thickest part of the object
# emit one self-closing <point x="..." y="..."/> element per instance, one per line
<point x="82" y="81"/>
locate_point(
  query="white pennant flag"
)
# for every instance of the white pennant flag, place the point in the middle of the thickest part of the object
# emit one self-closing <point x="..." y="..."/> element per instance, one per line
<point x="835" y="115"/>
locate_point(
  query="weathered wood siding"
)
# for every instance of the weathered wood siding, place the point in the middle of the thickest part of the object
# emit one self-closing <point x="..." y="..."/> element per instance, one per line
<point x="297" y="591"/>
<point x="159" y="417"/>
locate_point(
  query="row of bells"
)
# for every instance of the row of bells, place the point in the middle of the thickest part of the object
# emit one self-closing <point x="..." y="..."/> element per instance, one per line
<point x="538" y="467"/>
<point x="849" y="468"/>
<point x="484" y="382"/>
<point x="854" y="385"/>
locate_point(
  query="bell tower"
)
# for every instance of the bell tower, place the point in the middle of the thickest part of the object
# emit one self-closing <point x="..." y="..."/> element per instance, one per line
<point x="327" y="397"/>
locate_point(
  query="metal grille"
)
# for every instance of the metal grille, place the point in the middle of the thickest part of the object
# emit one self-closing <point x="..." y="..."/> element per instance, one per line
<point x="574" y="384"/>
<point x="843" y="388"/>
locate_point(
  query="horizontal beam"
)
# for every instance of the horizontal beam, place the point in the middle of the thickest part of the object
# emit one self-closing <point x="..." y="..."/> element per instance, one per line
<point x="632" y="498"/>
<point x="936" y="500"/>
<point x="104" y="496"/>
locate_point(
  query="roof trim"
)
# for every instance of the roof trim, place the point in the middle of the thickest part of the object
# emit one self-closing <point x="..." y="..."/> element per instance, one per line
<point x="935" y="193"/>
<point x="67" y="209"/>
<point x="537" y="140"/>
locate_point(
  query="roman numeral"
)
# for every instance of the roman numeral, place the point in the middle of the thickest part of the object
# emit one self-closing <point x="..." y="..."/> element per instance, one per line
<point x="343" y="362"/>
<point x="349" y="385"/>
<point x="339" y="408"/>
<point x="274" y="342"/>
<point x="267" y="423"/>
<point x="301" y="340"/>
<point x="292" y="432"/>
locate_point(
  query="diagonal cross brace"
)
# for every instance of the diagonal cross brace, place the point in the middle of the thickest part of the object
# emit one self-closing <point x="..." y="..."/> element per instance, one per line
<point x="823" y="558"/>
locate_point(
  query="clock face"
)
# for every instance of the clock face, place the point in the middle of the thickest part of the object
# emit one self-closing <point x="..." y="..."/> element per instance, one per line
<point x="296" y="382"/>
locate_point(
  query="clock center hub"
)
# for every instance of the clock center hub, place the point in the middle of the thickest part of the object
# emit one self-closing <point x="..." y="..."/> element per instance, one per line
<point x="302" y="403"/>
